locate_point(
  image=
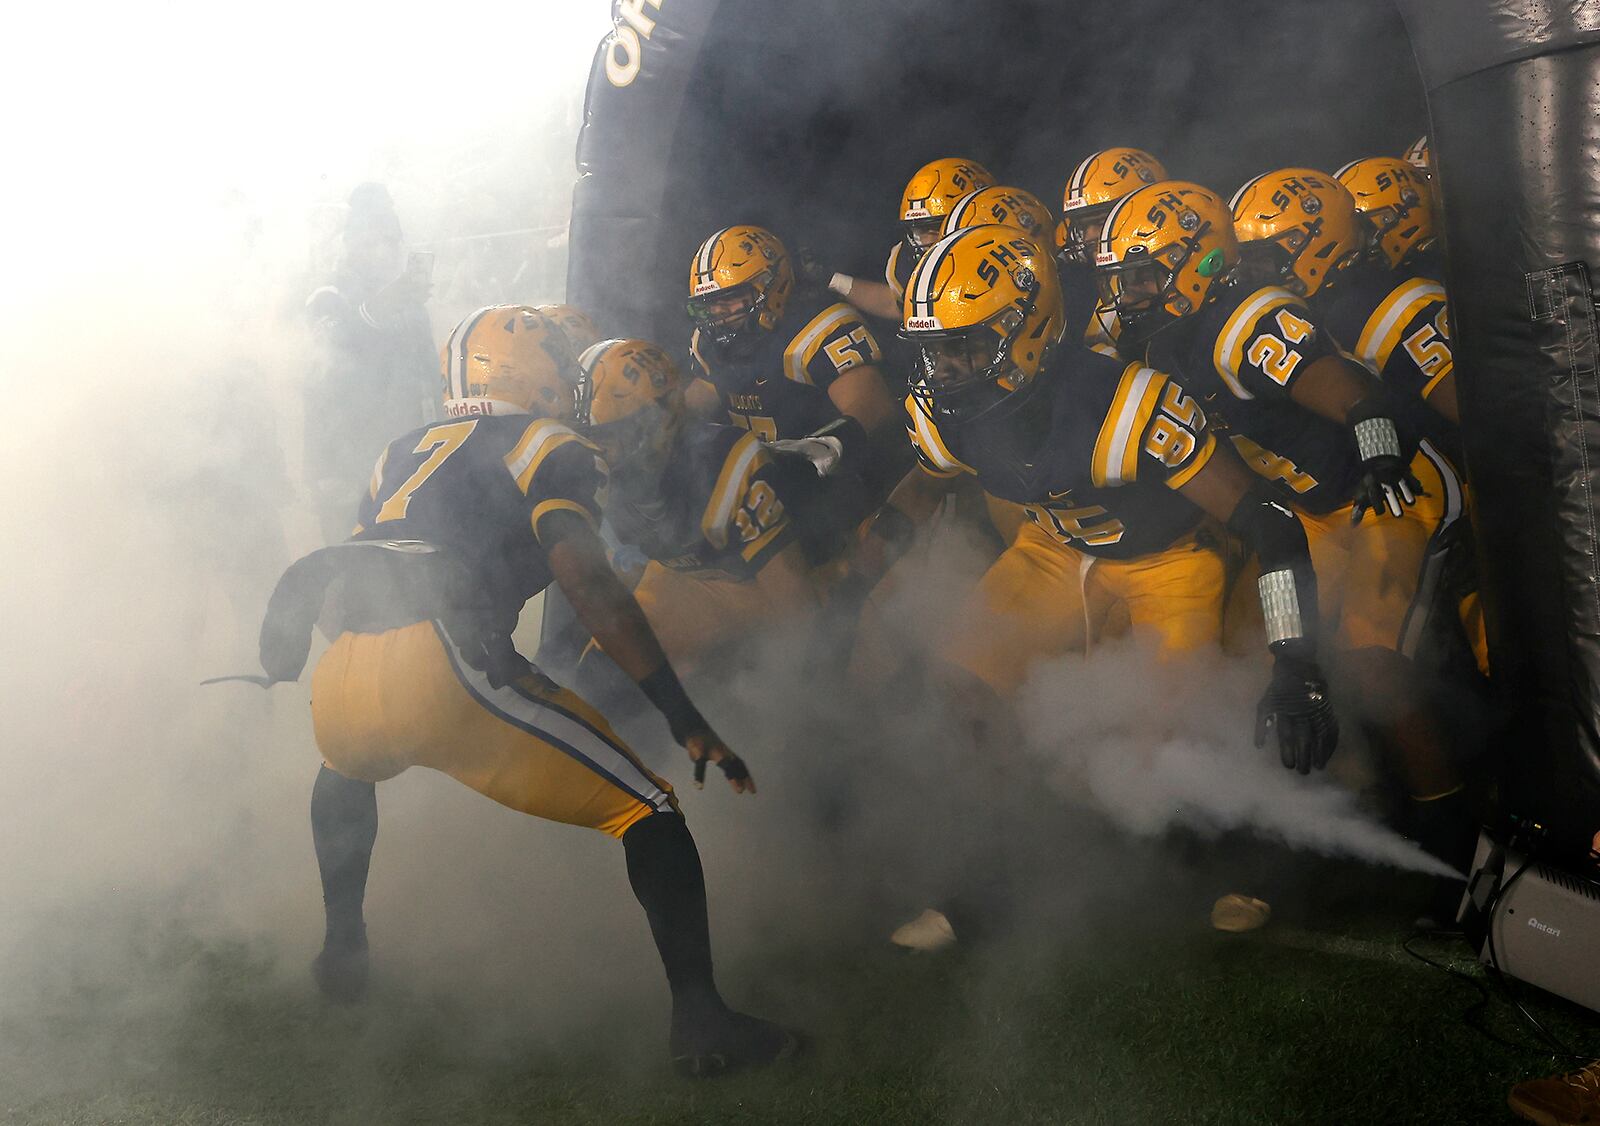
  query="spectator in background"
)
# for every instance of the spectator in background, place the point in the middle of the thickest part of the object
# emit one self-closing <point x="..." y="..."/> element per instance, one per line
<point x="375" y="374"/>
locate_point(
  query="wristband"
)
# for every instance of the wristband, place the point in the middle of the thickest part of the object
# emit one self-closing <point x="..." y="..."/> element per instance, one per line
<point x="663" y="689"/>
<point x="1280" y="606"/>
<point x="1377" y="437"/>
<point x="842" y="284"/>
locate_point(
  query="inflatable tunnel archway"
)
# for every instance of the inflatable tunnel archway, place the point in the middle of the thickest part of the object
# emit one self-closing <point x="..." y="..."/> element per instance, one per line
<point x="807" y="116"/>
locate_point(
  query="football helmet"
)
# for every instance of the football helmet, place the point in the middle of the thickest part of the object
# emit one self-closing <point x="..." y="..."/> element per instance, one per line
<point x="931" y="193"/>
<point x="1093" y="189"/>
<point x="1161" y="251"/>
<point x="630" y="404"/>
<point x="1009" y="207"/>
<point x="1301" y="223"/>
<point x="1394" y="200"/>
<point x="739" y="283"/>
<point x="507" y="359"/>
<point x="577" y="325"/>
<point x="983" y="309"/>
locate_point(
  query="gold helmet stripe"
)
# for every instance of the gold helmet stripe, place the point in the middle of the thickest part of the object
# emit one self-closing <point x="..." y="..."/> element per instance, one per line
<point x="732" y="484"/>
<point x="1382" y="331"/>
<point x="1111" y="223"/>
<point x="703" y="256"/>
<point x="1075" y="184"/>
<point x="1230" y="341"/>
<point x="958" y="214"/>
<point x="457" y="351"/>
<point x="1233" y="204"/>
<point x="927" y="271"/>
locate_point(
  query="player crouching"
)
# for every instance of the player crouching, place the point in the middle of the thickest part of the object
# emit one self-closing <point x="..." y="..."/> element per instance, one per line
<point x="706" y="502"/>
<point x="463" y="522"/>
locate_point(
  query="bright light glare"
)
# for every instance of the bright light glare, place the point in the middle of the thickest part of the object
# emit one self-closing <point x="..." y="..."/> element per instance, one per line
<point x="125" y="123"/>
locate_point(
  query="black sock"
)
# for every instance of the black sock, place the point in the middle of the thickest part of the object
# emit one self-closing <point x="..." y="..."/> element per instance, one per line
<point x="664" y="869"/>
<point x="344" y="825"/>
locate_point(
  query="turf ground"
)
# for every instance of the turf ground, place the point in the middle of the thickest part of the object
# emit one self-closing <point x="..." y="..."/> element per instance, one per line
<point x="1307" y="1021"/>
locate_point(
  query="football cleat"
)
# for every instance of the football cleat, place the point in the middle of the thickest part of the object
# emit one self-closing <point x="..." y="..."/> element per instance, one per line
<point x="1560" y="1100"/>
<point x="1237" y="914"/>
<point x="928" y="933"/>
<point x="729" y="1041"/>
<point x="340" y="972"/>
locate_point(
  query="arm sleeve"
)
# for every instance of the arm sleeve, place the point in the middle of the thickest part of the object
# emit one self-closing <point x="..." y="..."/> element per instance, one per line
<point x="745" y="515"/>
<point x="1406" y="340"/>
<point x="932" y="453"/>
<point x="832" y="343"/>
<point x="1154" y="431"/>
<point x="558" y="471"/>
<point x="1266" y="342"/>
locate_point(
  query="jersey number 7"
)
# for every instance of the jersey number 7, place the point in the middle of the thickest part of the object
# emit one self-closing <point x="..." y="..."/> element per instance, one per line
<point x="442" y="441"/>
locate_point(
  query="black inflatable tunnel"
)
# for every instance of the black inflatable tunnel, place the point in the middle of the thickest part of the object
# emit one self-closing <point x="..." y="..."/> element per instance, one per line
<point x="808" y="116"/>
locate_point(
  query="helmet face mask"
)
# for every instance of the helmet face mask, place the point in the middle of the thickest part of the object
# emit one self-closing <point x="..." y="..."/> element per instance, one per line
<point x="637" y="449"/>
<point x="1396" y="203"/>
<point x="963" y="373"/>
<point x="739" y="285"/>
<point x="730" y="315"/>
<point x="1162" y="252"/>
<point x="630" y="404"/>
<point x="919" y="234"/>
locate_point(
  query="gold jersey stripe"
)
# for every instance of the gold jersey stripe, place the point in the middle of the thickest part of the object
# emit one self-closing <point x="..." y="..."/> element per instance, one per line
<point x="733" y="482"/>
<point x="1116" y="450"/>
<point x="1381" y="334"/>
<point x="803" y="348"/>
<point x="1228" y="353"/>
<point x="558" y="504"/>
<point x="538" y="441"/>
<point x="925" y="435"/>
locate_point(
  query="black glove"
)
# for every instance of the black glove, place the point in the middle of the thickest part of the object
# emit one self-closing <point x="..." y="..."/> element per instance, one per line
<point x="1387" y="482"/>
<point x="1296" y="707"/>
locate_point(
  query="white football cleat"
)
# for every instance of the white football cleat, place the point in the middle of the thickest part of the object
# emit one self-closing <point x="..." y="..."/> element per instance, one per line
<point x="927" y="933"/>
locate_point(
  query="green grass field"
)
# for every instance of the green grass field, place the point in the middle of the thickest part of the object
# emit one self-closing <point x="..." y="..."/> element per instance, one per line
<point x="1311" y="1020"/>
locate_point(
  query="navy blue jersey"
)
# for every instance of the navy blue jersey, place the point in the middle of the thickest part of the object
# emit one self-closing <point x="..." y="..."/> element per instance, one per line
<point x="1094" y="457"/>
<point x="721" y="505"/>
<point x="1396" y="325"/>
<point x="482" y="487"/>
<point x="1242" y="353"/>
<point x="781" y="389"/>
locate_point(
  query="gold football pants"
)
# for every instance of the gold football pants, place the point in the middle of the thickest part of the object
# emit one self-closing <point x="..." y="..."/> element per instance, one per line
<point x="1043" y="599"/>
<point x="1377" y="580"/>
<point x="383" y="702"/>
<point x="696" y="614"/>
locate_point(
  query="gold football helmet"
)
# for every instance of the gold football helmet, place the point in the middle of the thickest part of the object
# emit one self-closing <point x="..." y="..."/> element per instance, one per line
<point x="1009" y="207"/>
<point x="577" y="325"/>
<point x="739" y="283"/>
<point x="630" y="404"/>
<point x="1160" y="252"/>
<point x="507" y="359"/>
<point x="1394" y="200"/>
<point x="931" y="193"/>
<point x="1093" y="189"/>
<point x="1301" y="223"/>
<point x="983" y="308"/>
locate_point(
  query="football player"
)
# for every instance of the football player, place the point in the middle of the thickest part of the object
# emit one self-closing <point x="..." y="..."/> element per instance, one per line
<point x="1389" y="308"/>
<point x="1116" y="467"/>
<point x="462" y="523"/>
<point x="705" y="501"/>
<point x="1325" y="436"/>
<point x="929" y="195"/>
<point x="1096" y="184"/>
<point x="793" y="368"/>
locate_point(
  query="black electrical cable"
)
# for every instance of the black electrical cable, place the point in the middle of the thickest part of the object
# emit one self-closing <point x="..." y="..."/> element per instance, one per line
<point x="1551" y="1043"/>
